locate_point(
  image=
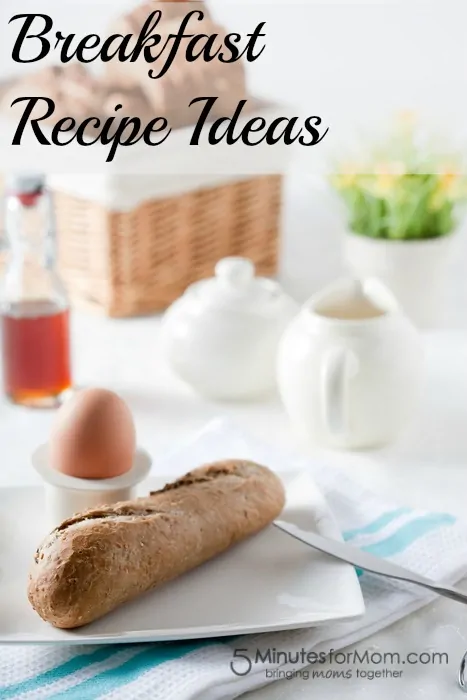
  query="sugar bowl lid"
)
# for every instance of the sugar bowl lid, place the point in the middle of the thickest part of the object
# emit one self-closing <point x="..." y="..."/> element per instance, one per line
<point x="235" y="286"/>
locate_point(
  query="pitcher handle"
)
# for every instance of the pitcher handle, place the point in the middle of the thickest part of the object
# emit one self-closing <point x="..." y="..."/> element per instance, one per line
<point x="340" y="365"/>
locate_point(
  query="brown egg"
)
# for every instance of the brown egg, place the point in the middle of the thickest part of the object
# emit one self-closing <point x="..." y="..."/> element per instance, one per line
<point x="93" y="437"/>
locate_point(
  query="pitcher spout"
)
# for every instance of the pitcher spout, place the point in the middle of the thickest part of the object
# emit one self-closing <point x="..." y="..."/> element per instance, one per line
<point x="354" y="300"/>
<point x="379" y="294"/>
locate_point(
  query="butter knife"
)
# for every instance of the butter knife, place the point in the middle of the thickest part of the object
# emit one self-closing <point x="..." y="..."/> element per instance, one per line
<point x="368" y="562"/>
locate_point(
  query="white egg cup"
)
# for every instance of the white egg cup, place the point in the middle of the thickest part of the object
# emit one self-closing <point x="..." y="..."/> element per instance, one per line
<point x="66" y="495"/>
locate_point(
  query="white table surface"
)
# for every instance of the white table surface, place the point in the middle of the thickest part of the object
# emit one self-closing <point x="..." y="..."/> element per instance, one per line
<point x="427" y="468"/>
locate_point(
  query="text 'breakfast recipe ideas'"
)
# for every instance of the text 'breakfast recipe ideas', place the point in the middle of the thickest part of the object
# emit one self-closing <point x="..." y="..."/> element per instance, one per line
<point x="162" y="53"/>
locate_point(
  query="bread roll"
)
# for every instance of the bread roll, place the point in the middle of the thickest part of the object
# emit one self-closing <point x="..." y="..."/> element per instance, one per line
<point x="100" y="559"/>
<point x="171" y="94"/>
<point x="134" y="21"/>
<point x="75" y="92"/>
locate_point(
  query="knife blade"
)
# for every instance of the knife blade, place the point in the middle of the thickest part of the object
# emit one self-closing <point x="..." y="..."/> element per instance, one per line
<point x="368" y="562"/>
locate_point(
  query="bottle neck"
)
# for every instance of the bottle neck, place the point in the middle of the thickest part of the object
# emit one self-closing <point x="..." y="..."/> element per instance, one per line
<point x="29" y="227"/>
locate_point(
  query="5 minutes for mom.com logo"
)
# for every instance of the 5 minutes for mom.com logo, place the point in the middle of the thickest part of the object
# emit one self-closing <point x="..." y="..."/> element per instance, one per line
<point x="368" y="663"/>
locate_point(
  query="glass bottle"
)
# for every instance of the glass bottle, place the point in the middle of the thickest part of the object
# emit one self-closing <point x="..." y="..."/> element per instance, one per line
<point x="34" y="306"/>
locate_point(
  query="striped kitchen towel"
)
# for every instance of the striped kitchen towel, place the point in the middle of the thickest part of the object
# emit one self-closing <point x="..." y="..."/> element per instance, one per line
<point x="433" y="544"/>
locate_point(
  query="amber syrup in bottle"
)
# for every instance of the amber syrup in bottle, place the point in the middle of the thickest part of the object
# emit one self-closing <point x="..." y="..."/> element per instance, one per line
<point x="34" y="308"/>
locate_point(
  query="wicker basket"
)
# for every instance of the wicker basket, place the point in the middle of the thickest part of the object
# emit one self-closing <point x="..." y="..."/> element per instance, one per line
<point x="136" y="262"/>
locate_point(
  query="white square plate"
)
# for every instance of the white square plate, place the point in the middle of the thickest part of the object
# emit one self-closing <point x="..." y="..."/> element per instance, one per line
<point x="270" y="582"/>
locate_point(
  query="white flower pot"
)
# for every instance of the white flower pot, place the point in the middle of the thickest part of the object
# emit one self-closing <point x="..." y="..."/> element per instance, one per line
<point x="414" y="271"/>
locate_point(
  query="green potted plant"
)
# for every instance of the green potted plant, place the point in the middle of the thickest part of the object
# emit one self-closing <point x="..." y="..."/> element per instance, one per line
<point x="402" y="208"/>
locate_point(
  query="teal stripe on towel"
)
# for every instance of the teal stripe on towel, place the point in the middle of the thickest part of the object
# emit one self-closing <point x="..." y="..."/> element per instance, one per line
<point x="408" y="534"/>
<point x="77" y="663"/>
<point x="377" y="524"/>
<point x="405" y="536"/>
<point x="114" y="678"/>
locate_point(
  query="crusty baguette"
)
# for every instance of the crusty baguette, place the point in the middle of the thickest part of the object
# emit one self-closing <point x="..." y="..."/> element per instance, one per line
<point x="75" y="92"/>
<point x="170" y="95"/>
<point x="133" y="22"/>
<point x="98" y="560"/>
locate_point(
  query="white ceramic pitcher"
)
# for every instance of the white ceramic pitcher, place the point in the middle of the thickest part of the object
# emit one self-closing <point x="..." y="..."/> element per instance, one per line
<point x="349" y="366"/>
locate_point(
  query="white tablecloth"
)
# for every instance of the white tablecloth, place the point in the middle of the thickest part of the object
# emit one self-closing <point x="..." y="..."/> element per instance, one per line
<point x="428" y="469"/>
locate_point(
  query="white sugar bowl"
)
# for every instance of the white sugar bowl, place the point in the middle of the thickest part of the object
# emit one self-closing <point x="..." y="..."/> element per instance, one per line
<point x="221" y="337"/>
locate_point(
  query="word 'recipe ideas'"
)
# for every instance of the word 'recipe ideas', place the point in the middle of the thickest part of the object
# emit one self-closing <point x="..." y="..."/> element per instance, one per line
<point x="36" y="40"/>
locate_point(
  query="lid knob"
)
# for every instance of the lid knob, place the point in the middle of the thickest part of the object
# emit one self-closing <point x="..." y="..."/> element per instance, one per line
<point x="237" y="273"/>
